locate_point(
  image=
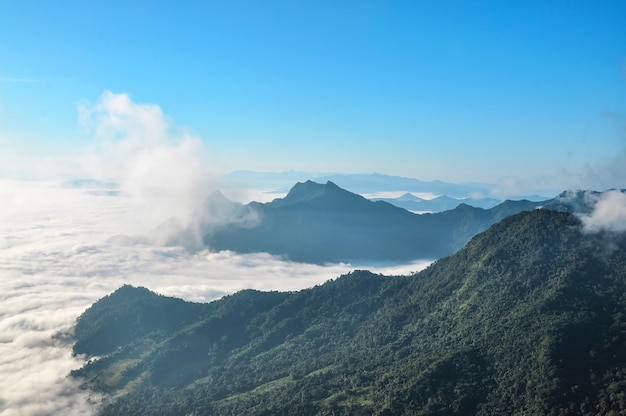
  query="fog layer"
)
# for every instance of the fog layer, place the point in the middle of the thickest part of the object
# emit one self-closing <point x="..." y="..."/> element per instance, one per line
<point x="61" y="249"/>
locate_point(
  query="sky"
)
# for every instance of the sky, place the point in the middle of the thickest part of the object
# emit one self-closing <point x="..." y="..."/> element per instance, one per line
<point x="524" y="92"/>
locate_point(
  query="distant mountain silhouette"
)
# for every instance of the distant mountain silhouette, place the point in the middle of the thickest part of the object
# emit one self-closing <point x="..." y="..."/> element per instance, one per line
<point x="375" y="182"/>
<point x="410" y="202"/>
<point x="322" y="223"/>
<point x="357" y="182"/>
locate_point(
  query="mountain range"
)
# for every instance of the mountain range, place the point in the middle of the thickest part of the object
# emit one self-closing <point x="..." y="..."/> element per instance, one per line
<point x="369" y="184"/>
<point x="527" y="318"/>
<point x="441" y="203"/>
<point x="375" y="182"/>
<point x="323" y="223"/>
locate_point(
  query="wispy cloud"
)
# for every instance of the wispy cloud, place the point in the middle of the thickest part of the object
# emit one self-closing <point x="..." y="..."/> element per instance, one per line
<point x="21" y="80"/>
<point x="598" y="174"/>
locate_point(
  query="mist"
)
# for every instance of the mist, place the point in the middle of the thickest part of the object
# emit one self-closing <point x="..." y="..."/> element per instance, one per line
<point x="63" y="248"/>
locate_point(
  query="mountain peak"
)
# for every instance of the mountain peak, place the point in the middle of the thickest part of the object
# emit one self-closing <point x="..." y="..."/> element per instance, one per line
<point x="309" y="190"/>
<point x="218" y="203"/>
<point x="305" y="190"/>
<point x="407" y="196"/>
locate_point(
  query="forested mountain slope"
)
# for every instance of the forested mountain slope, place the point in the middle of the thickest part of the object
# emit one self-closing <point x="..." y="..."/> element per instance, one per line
<point x="528" y="318"/>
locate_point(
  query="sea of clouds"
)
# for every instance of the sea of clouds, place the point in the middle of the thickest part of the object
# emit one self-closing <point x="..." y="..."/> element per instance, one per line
<point x="62" y="247"/>
<point x="60" y="251"/>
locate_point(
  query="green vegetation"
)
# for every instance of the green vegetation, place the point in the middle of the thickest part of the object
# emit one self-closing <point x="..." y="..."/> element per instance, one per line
<point x="528" y="318"/>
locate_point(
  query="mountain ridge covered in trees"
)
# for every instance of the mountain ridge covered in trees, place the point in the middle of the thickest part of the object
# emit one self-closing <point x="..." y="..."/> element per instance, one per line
<point x="527" y="318"/>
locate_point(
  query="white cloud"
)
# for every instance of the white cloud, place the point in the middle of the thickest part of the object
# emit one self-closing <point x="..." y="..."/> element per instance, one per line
<point x="161" y="169"/>
<point x="121" y="128"/>
<point x="609" y="213"/>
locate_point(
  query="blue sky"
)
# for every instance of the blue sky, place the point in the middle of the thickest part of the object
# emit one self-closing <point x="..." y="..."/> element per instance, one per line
<point x="532" y="91"/>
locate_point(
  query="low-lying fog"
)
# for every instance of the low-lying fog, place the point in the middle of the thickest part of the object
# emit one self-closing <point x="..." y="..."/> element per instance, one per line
<point x="60" y="251"/>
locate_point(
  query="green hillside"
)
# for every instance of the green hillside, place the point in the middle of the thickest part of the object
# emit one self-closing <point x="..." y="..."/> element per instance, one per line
<point x="528" y="318"/>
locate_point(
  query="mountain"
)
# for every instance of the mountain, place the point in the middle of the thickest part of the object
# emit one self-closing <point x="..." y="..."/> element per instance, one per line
<point x="358" y="183"/>
<point x="410" y="202"/>
<point x="528" y="318"/>
<point x="269" y="178"/>
<point x="579" y="201"/>
<point x="375" y="182"/>
<point x="323" y="223"/>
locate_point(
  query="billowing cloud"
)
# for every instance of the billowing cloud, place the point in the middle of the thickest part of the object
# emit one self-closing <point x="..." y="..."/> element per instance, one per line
<point x="64" y="248"/>
<point x="609" y="213"/>
<point x="159" y="167"/>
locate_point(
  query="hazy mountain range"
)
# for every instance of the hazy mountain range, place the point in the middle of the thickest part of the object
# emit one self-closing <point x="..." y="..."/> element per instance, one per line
<point x="322" y="223"/>
<point x="527" y="318"/>
<point x="441" y="196"/>
<point x="367" y="184"/>
<point x="372" y="183"/>
<point x="418" y="205"/>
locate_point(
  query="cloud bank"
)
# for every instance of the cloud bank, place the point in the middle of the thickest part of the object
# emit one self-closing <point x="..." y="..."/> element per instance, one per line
<point x="63" y="248"/>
